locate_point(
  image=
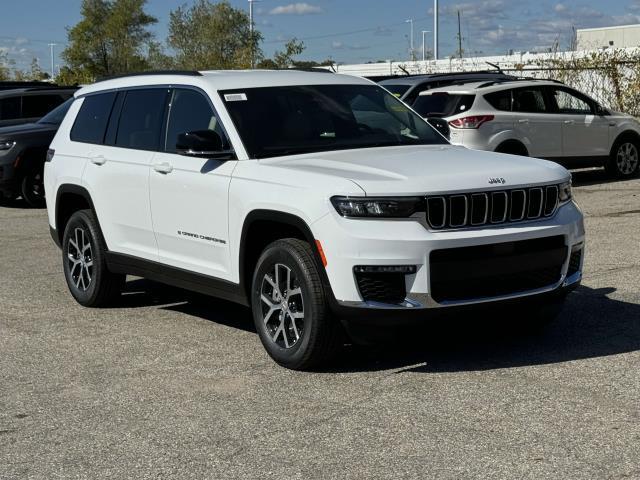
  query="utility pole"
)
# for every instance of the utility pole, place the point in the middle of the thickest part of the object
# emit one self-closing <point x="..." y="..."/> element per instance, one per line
<point x="253" y="60"/>
<point x="435" y="29"/>
<point x="51" y="45"/>
<point x="424" y="44"/>
<point x="411" y="50"/>
<point x="459" y="36"/>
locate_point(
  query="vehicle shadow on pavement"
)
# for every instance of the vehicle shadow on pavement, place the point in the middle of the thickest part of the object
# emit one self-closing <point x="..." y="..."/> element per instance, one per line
<point x="585" y="178"/>
<point x="139" y="293"/>
<point x="591" y="325"/>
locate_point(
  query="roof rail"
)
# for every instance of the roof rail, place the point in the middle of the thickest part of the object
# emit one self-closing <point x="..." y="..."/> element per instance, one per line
<point x="520" y="79"/>
<point x="190" y="73"/>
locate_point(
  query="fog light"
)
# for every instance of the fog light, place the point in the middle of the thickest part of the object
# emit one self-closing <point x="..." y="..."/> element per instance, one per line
<point x="404" y="269"/>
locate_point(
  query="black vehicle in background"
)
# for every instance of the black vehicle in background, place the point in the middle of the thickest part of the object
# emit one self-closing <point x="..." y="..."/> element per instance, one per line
<point x="408" y="88"/>
<point x="23" y="151"/>
<point x="26" y="102"/>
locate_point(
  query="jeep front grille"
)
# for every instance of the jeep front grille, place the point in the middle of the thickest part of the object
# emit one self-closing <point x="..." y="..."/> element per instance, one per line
<point x="491" y="208"/>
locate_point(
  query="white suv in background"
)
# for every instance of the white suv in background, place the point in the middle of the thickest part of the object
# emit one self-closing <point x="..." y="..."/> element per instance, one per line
<point x="321" y="201"/>
<point x="543" y="119"/>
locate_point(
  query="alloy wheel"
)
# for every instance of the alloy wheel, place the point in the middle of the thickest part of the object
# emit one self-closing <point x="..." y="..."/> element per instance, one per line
<point x="627" y="158"/>
<point x="282" y="306"/>
<point x="80" y="259"/>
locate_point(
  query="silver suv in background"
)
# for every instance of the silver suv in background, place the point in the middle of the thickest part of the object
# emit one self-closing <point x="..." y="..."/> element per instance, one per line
<point x="544" y="119"/>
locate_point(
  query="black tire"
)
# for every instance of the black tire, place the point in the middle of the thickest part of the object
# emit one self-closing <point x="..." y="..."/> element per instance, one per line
<point x="87" y="276"/>
<point x="513" y="148"/>
<point x="320" y="336"/>
<point x="32" y="189"/>
<point x="624" y="160"/>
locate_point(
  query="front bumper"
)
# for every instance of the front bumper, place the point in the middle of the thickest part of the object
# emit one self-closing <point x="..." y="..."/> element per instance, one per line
<point x="350" y="243"/>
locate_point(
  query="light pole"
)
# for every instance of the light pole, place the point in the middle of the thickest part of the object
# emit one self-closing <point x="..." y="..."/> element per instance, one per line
<point x="424" y="44"/>
<point x="435" y="29"/>
<point x="411" y="51"/>
<point x="51" y="45"/>
<point x="251" y="2"/>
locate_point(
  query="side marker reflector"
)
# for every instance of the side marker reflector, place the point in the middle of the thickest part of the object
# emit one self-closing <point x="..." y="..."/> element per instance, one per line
<point x="321" y="252"/>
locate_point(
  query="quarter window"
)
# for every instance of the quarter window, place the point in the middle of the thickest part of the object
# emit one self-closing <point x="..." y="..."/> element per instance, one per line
<point x="529" y="100"/>
<point x="36" y="106"/>
<point x="141" y="119"/>
<point x="500" y="100"/>
<point x="569" y="103"/>
<point x="10" y="108"/>
<point x="190" y="111"/>
<point x="91" y="121"/>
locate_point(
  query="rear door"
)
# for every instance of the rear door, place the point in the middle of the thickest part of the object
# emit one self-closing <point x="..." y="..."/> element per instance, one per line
<point x="585" y="134"/>
<point x="535" y="124"/>
<point x="118" y="170"/>
<point x="189" y="195"/>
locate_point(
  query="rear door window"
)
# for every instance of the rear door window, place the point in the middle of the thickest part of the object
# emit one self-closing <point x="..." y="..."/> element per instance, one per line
<point x="442" y="104"/>
<point x="141" y="119"/>
<point x="9" y="108"/>
<point x="91" y="121"/>
<point x="530" y="100"/>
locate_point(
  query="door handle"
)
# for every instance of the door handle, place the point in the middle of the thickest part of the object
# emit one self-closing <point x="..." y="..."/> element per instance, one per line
<point x="569" y="122"/>
<point x="523" y="120"/>
<point x="98" y="160"/>
<point x="164" y="167"/>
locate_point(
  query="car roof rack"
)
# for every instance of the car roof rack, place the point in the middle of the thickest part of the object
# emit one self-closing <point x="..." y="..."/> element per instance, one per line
<point x="190" y="73"/>
<point x="521" y="79"/>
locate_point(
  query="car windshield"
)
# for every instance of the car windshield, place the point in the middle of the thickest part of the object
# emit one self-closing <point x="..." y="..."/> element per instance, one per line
<point x="442" y="104"/>
<point x="55" y="116"/>
<point x="398" y="89"/>
<point x="292" y="120"/>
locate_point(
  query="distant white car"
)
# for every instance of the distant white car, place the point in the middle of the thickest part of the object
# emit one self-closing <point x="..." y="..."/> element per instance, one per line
<point x="543" y="119"/>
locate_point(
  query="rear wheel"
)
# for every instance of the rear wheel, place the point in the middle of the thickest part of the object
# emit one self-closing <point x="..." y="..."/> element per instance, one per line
<point x="32" y="188"/>
<point x="289" y="308"/>
<point x="513" y="148"/>
<point x="84" y="263"/>
<point x="625" y="159"/>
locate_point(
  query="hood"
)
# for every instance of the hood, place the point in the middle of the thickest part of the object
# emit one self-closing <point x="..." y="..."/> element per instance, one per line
<point x="417" y="170"/>
<point x="26" y="129"/>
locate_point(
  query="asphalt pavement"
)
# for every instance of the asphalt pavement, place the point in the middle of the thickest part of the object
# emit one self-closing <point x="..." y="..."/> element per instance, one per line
<point x="175" y="385"/>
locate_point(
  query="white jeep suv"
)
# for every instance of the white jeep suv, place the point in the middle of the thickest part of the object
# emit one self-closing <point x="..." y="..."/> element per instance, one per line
<point x="543" y="119"/>
<point x="321" y="201"/>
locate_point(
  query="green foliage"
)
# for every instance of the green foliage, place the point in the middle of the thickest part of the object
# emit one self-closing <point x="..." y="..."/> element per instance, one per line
<point x="212" y="36"/>
<point x="112" y="38"/>
<point x="5" y="64"/>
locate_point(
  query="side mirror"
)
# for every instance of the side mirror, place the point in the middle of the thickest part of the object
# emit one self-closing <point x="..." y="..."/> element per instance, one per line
<point x="201" y="144"/>
<point x="601" y="111"/>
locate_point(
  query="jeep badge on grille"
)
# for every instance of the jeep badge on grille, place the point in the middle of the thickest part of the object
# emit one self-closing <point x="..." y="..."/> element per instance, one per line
<point x="500" y="180"/>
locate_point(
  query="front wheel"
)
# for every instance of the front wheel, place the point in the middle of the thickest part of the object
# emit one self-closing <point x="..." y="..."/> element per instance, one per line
<point x="625" y="159"/>
<point x="289" y="307"/>
<point x="32" y="188"/>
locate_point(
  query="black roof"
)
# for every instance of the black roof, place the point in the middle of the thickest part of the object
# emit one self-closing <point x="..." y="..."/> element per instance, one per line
<point x="416" y="79"/>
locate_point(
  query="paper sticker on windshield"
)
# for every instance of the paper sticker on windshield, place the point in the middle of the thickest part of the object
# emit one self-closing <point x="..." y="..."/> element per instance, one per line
<point x="236" y="97"/>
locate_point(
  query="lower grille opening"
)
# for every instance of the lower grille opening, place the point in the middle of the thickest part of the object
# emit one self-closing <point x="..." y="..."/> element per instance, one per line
<point x="495" y="270"/>
<point x="382" y="287"/>
<point x="574" y="263"/>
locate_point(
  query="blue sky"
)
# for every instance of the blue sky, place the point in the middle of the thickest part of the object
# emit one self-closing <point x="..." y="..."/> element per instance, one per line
<point x="351" y="31"/>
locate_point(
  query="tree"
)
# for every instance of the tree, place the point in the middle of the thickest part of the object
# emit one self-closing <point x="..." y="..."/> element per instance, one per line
<point x="212" y="36"/>
<point x="112" y="38"/>
<point x="292" y="48"/>
<point x="5" y="72"/>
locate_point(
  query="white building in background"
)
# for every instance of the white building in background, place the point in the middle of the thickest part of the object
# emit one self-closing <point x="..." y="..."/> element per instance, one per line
<point x="608" y="37"/>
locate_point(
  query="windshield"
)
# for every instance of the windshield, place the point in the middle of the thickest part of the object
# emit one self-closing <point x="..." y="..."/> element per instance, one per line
<point x="398" y="89"/>
<point x="278" y="121"/>
<point x="442" y="104"/>
<point x="55" y="116"/>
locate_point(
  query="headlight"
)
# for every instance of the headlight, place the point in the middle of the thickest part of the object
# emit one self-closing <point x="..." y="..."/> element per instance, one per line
<point x="6" y="144"/>
<point x="372" y="207"/>
<point x="564" y="193"/>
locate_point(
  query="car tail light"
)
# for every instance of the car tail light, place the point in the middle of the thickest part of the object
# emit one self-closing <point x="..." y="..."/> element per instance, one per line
<point x="472" y="122"/>
<point x="50" y="153"/>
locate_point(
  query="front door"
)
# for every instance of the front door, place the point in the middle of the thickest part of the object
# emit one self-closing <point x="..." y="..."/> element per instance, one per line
<point x="189" y="195"/>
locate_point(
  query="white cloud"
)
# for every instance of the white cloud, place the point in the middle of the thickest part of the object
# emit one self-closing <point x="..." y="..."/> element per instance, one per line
<point x="559" y="8"/>
<point x="296" y="9"/>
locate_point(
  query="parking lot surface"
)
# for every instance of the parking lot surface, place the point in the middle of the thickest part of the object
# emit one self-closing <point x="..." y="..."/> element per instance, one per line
<point x="174" y="385"/>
